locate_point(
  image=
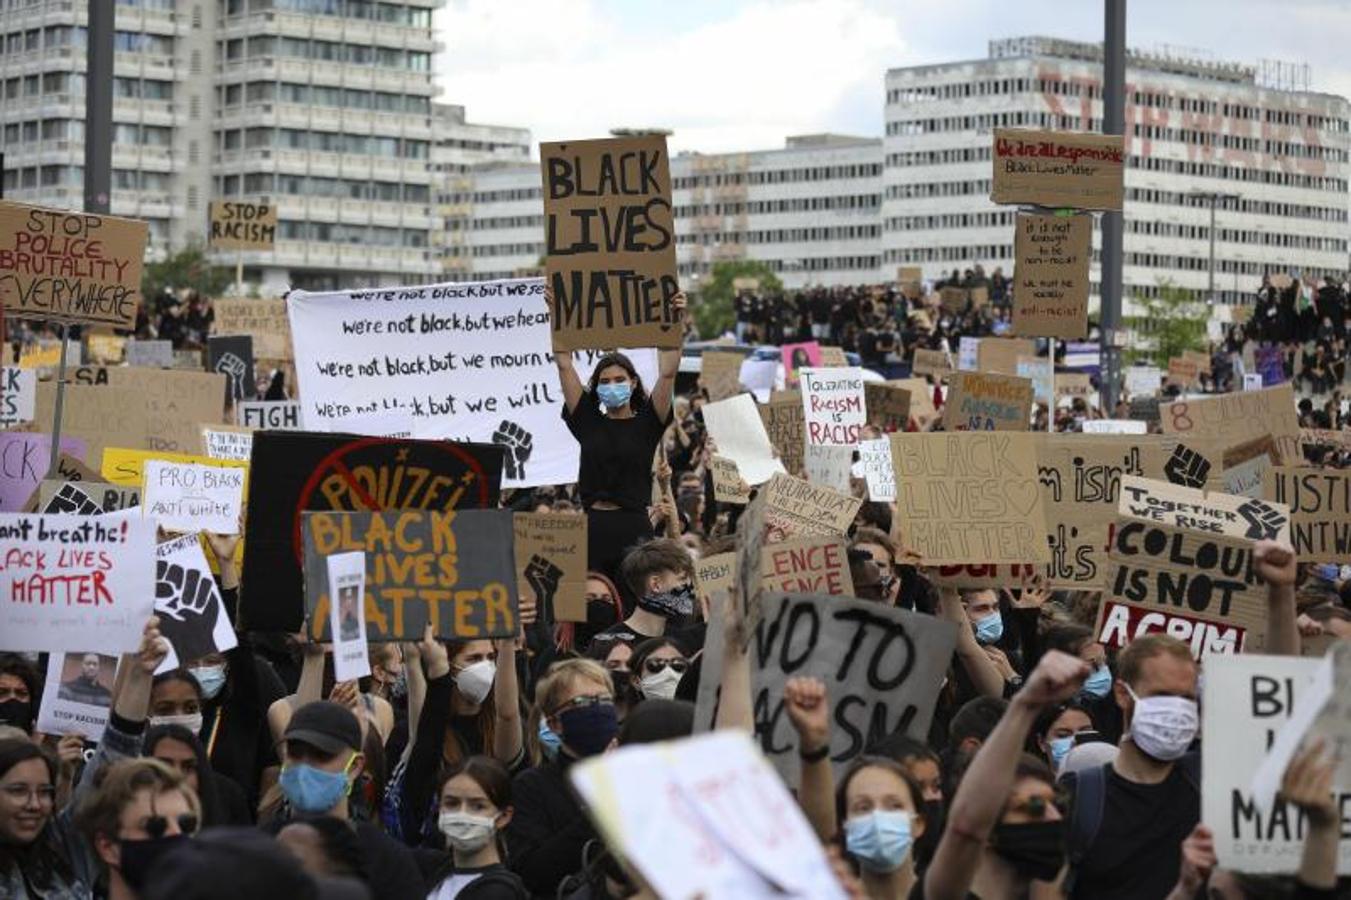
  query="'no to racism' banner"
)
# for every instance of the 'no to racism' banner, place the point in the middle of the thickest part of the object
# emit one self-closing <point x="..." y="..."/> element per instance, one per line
<point x="609" y="232"/>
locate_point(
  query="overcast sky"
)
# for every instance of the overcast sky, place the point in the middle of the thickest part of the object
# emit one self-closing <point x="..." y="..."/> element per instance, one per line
<point x="731" y="75"/>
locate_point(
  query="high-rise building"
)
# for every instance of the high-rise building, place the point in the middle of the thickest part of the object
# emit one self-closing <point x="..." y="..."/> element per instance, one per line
<point x="810" y="211"/>
<point x="1270" y="154"/>
<point x="323" y="107"/>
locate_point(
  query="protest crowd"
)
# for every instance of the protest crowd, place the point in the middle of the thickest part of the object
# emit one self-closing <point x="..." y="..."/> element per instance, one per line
<point x="442" y="596"/>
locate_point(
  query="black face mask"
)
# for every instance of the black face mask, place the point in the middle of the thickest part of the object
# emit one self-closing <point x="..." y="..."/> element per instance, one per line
<point x="18" y="713"/>
<point x="1035" y="849"/>
<point x="927" y="844"/>
<point x="139" y="857"/>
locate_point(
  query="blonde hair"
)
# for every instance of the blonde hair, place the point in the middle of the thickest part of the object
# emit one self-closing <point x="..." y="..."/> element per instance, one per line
<point x="116" y="787"/>
<point x="562" y="675"/>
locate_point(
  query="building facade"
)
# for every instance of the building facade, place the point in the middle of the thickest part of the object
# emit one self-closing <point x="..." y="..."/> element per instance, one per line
<point x="323" y="107"/>
<point x="810" y="211"/>
<point x="1274" y="160"/>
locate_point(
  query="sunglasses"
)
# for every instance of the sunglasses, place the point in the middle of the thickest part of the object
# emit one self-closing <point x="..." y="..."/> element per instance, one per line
<point x="584" y="702"/>
<point x="157" y="826"/>
<point x="653" y="666"/>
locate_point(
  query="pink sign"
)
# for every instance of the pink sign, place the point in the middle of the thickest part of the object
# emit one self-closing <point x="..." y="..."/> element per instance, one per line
<point x="798" y="356"/>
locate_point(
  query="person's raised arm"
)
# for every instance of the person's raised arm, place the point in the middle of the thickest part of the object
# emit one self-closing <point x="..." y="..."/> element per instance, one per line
<point x="668" y="365"/>
<point x="507" y="739"/>
<point x="1276" y="566"/>
<point x="417" y="690"/>
<point x="223" y="548"/>
<point x="985" y="787"/>
<point x="734" y="696"/>
<point x="982" y="671"/>
<point x="808" y="708"/>
<point x="309" y="688"/>
<point x="131" y="692"/>
<point x="1308" y="784"/>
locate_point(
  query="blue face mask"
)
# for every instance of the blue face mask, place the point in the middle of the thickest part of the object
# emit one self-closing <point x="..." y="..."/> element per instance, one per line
<point x="211" y="678"/>
<point x="1099" y="683"/>
<point x="1060" y="748"/>
<point x="614" y="395"/>
<point x="879" y="840"/>
<point x="548" y="741"/>
<point x="990" y="628"/>
<point x="311" y="790"/>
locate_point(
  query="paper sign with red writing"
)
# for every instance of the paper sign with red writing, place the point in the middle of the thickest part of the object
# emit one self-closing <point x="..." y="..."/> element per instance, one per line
<point x="981" y="576"/>
<point x="810" y="565"/>
<point x="75" y="582"/>
<point x="833" y="405"/>
<point x="70" y="266"/>
<point x="1058" y="169"/>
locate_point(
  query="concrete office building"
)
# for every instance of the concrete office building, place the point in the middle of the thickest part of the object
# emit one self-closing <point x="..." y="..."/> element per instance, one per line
<point x="1195" y="129"/>
<point x="322" y="106"/>
<point x="810" y="211"/>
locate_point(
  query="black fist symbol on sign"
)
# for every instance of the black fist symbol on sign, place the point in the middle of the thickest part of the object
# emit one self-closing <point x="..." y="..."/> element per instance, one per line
<point x="518" y="444"/>
<point x="1263" y="521"/>
<point x="1187" y="467"/>
<point x="543" y="577"/>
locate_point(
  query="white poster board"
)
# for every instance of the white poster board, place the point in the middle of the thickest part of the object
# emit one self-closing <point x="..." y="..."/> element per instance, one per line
<point x="192" y="497"/>
<point x="347" y="617"/>
<point x="968" y="354"/>
<point x="875" y="461"/>
<point x="191" y="612"/>
<point x="1143" y="381"/>
<point x="18" y="394"/>
<point x="739" y="432"/>
<point x="231" y="445"/>
<point x="1114" y="426"/>
<point x="833" y="407"/>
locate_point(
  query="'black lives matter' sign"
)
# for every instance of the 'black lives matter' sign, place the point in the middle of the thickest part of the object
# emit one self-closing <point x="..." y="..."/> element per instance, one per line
<point x="609" y="230"/>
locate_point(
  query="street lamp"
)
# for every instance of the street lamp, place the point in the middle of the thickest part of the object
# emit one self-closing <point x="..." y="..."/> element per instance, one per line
<point x="1213" y="198"/>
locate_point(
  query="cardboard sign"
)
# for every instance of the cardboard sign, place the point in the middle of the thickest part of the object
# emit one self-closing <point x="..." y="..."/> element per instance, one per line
<point x="969" y="498"/>
<point x="888" y="405"/>
<point x="714" y="574"/>
<point x="888" y="683"/>
<point x="1073" y="384"/>
<point x="1000" y="355"/>
<point x="1058" y="169"/>
<point x="745" y="283"/>
<point x="550" y="557"/>
<point x="735" y="426"/>
<point x="227" y="443"/>
<point x="980" y="576"/>
<point x="1320" y="437"/>
<point x="720" y="373"/>
<point x="953" y="299"/>
<point x="263" y="320"/>
<point x="232" y="356"/>
<point x="18" y="395"/>
<point x="909" y="274"/>
<point x="1231" y="419"/>
<point x="295" y="472"/>
<point x="176" y="405"/>
<point x="980" y="295"/>
<point x="1143" y="380"/>
<point x="1182" y="562"/>
<point x="937" y="363"/>
<point x="829" y="466"/>
<point x="1050" y="296"/>
<point x="796" y="357"/>
<point x="833" y="357"/>
<point x="729" y="826"/>
<point x="98" y="416"/>
<point x="188" y="602"/>
<point x="452" y="569"/>
<point x="24" y="458"/>
<point x="58" y="495"/>
<point x="73" y="582"/>
<point x="807" y="566"/>
<point x="875" y="461"/>
<point x="728" y="485"/>
<point x="610" y="258"/>
<point x="922" y="407"/>
<point x="269" y="415"/>
<point x="1247" y="700"/>
<point x="981" y="402"/>
<point x="77" y="695"/>
<point x="833" y="406"/>
<point x="1202" y="360"/>
<point x="242" y="225"/>
<point x="347" y="615"/>
<point x="1320" y="510"/>
<point x="1182" y="370"/>
<point x="465" y="362"/>
<point x="1246" y="468"/>
<point x="795" y="507"/>
<point x="68" y="266"/>
<point x="191" y="497"/>
<point x="787" y="429"/>
<point x="1041" y="372"/>
<point x="152" y="354"/>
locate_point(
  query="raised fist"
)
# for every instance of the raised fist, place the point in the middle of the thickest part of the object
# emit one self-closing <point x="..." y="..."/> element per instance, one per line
<point x="543" y="577"/>
<point x="518" y="444"/>
<point x="1264" y="522"/>
<point x="1187" y="467"/>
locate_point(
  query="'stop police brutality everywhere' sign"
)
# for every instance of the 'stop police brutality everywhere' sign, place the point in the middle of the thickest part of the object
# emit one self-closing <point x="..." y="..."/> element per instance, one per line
<point x="468" y="362"/>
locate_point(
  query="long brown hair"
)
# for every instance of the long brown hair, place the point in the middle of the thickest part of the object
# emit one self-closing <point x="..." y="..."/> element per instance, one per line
<point x="453" y="750"/>
<point x="638" y="396"/>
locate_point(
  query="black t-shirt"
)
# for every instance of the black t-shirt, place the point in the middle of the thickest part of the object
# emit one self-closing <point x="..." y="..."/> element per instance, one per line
<point x="390" y="866"/>
<point x="617" y="454"/>
<point x="1138" y="848"/>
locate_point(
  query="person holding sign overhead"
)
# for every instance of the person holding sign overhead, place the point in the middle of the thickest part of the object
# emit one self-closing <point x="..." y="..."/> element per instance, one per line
<point x="618" y="425"/>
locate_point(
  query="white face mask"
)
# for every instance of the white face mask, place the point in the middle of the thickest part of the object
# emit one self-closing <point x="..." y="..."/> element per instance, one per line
<point x="476" y="681"/>
<point x="1163" y="727"/>
<point x="191" y="721"/>
<point x="464" y="832"/>
<point x="662" y="685"/>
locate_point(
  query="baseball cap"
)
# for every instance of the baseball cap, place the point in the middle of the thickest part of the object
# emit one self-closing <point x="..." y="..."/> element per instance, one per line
<point x="329" y="726"/>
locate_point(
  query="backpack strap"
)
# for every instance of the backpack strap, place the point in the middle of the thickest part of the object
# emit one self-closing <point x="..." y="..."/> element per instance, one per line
<point x="1090" y="802"/>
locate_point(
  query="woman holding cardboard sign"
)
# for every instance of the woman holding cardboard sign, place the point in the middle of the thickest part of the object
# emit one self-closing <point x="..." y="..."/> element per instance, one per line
<point x="619" y="426"/>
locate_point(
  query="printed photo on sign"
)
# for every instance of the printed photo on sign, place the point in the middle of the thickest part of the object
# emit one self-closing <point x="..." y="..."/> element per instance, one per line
<point x="188" y="602"/>
<point x="347" y="614"/>
<point x="77" y="695"/>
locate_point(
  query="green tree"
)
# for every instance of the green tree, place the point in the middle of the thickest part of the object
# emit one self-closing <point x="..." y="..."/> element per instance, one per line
<point x="1173" y="321"/>
<point x="187" y="268"/>
<point x="712" y="309"/>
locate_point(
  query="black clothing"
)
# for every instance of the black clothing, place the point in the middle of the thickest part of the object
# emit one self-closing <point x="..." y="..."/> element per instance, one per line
<point x="81" y="690"/>
<point x="495" y="882"/>
<point x="616" y="465"/>
<point x="546" y="835"/>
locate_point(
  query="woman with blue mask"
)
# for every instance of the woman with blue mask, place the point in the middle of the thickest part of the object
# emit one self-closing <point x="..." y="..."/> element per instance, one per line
<point x="1096" y="694"/>
<point x="619" y="424"/>
<point x="880" y="811"/>
<point x="1056" y="729"/>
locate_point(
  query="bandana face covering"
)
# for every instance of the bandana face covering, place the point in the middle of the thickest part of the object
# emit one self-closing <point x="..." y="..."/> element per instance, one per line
<point x="670" y="604"/>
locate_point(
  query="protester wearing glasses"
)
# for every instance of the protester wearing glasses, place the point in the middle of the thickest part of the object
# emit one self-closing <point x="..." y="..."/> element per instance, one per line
<point x="656" y="669"/>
